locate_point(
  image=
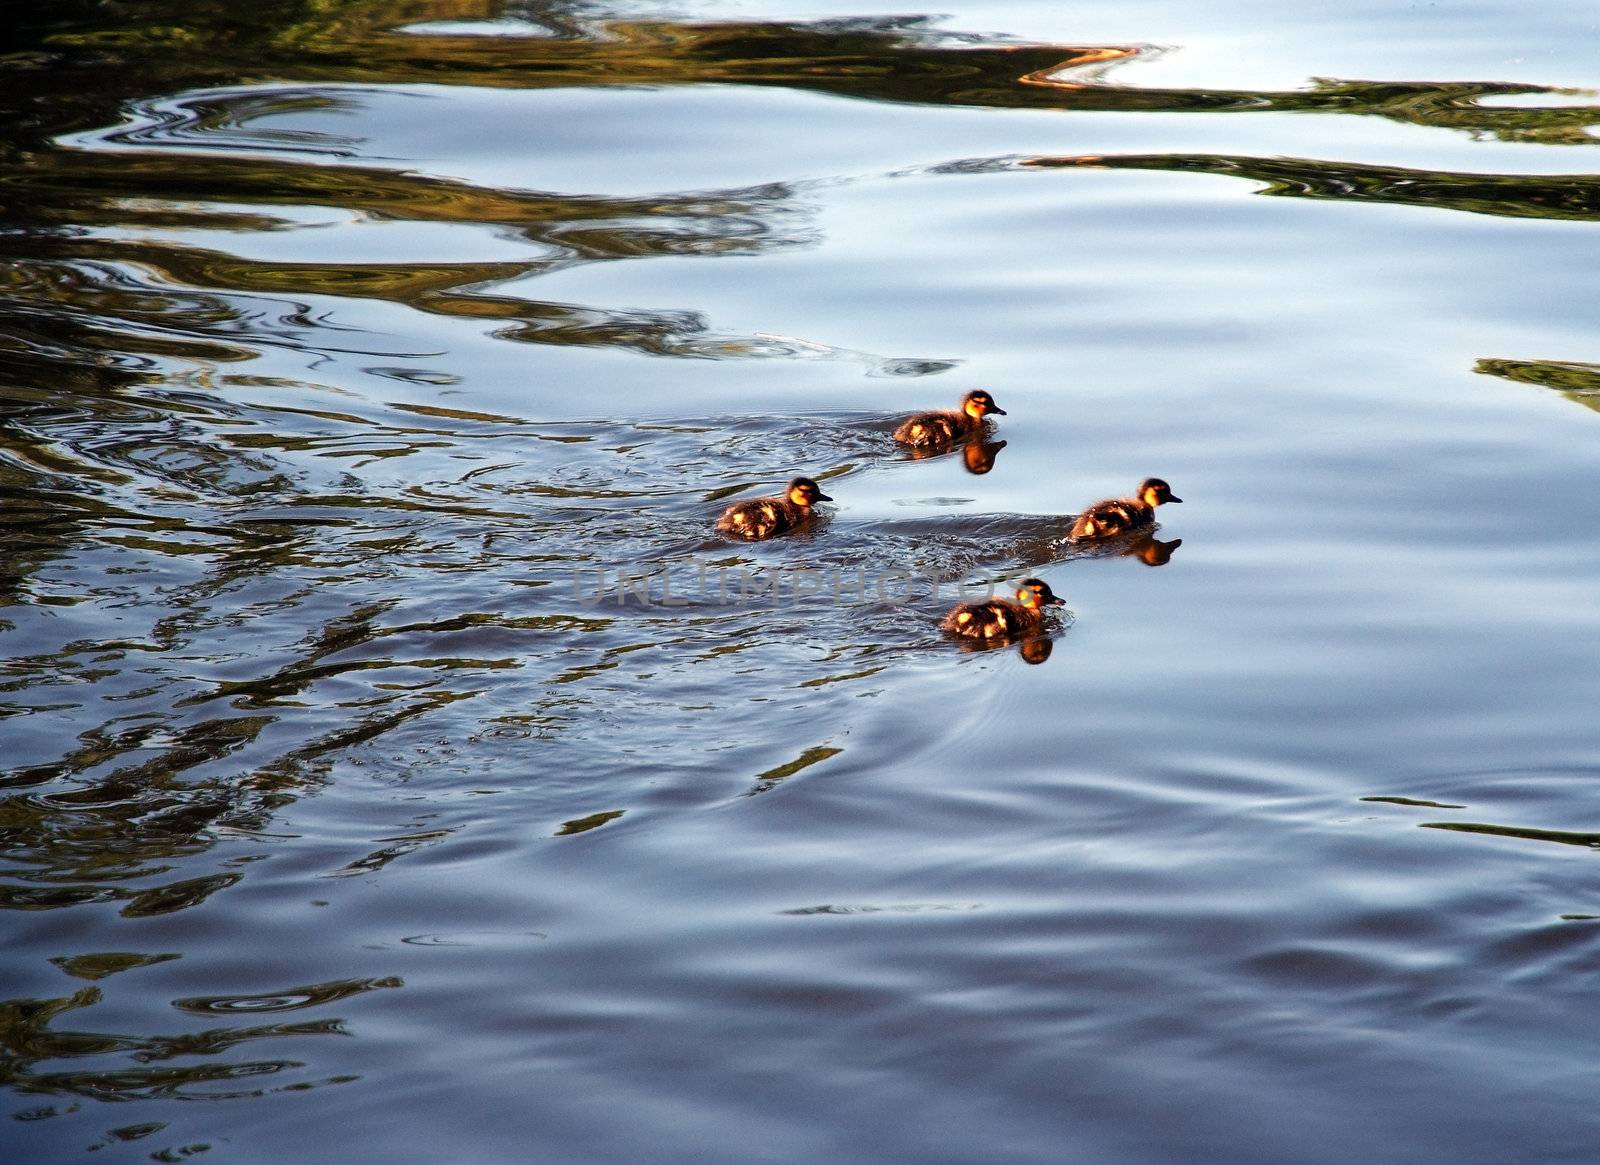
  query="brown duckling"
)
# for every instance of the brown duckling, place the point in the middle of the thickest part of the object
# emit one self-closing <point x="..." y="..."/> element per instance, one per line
<point x="1116" y="516"/>
<point x="1004" y="619"/>
<point x="757" y="518"/>
<point x="947" y="426"/>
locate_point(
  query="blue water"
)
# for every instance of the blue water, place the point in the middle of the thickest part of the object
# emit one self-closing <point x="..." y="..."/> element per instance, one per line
<point x="342" y="824"/>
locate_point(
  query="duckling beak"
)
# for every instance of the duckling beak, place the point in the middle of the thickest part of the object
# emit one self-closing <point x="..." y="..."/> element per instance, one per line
<point x="997" y="410"/>
<point x="1056" y="601"/>
<point x="822" y="497"/>
<point x="1174" y="499"/>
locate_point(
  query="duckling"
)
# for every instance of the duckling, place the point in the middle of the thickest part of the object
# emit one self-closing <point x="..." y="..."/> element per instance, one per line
<point x="1003" y="619"/>
<point x="1116" y="516"/>
<point x="757" y="518"/>
<point x="947" y="426"/>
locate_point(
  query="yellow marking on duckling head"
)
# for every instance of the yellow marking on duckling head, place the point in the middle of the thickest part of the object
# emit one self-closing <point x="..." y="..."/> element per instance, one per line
<point x="805" y="493"/>
<point x="1154" y="492"/>
<point x="978" y="404"/>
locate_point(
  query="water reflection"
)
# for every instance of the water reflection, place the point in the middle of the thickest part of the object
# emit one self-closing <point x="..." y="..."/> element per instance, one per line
<point x="769" y="779"/>
<point x="1032" y="649"/>
<point x="978" y="454"/>
<point x="143" y="176"/>
<point x="102" y="965"/>
<point x="1578" y="382"/>
<point x="895" y="59"/>
<point x="1152" y="551"/>
<point x="142" y="283"/>
<point x="1555" y="196"/>
<point x="1526" y="833"/>
<point x="30" y="1035"/>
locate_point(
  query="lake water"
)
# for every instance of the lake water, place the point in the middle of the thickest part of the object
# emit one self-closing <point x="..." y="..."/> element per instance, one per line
<point x="344" y="346"/>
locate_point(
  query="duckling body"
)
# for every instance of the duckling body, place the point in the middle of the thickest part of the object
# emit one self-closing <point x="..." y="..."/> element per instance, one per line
<point x="1111" y="517"/>
<point x="1002" y="620"/>
<point x="946" y="427"/>
<point x="758" y="518"/>
<point x="1115" y="516"/>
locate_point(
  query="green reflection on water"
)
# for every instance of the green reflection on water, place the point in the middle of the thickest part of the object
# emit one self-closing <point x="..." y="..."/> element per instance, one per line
<point x="1578" y="382"/>
<point x="1560" y="836"/>
<point x="29" y="1035"/>
<point x="1557" y="196"/>
<point x="898" y="59"/>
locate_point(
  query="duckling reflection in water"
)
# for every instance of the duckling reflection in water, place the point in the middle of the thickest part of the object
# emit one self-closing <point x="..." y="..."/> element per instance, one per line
<point x="1004" y="620"/>
<point x="977" y="455"/>
<point x="942" y="429"/>
<point x="1115" y="516"/>
<point x="1034" y="649"/>
<point x="1151" y="551"/>
<point x="757" y="518"/>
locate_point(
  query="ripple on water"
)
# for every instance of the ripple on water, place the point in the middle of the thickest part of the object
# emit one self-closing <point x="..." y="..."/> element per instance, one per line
<point x="293" y="999"/>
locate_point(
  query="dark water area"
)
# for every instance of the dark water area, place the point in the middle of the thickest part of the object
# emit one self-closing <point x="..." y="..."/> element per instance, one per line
<point x="355" y="358"/>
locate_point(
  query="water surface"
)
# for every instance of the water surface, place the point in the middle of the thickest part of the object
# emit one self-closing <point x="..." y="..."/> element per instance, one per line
<point x="344" y="346"/>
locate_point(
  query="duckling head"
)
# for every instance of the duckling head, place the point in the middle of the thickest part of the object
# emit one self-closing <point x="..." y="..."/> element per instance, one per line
<point x="805" y="493"/>
<point x="1153" y="492"/>
<point x="1036" y="593"/>
<point x="979" y="404"/>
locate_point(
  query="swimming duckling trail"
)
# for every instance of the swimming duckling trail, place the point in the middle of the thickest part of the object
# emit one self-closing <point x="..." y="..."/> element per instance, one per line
<point x="671" y="530"/>
<point x="317" y="668"/>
